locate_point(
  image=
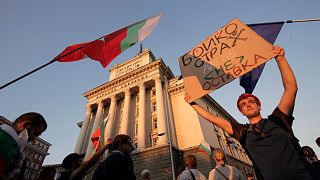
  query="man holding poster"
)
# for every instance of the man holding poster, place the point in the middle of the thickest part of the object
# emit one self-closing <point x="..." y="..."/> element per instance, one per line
<point x="230" y="52"/>
<point x="269" y="142"/>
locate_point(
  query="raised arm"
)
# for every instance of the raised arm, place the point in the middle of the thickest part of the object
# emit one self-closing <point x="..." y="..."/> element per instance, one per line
<point x="286" y="104"/>
<point x="220" y="122"/>
<point x="79" y="172"/>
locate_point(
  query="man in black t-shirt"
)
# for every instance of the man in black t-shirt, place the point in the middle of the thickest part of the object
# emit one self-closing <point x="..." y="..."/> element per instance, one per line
<point x="118" y="165"/>
<point x="270" y="143"/>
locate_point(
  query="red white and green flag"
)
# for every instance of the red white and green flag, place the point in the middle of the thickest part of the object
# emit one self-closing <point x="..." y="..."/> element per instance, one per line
<point x="106" y="48"/>
<point x="205" y="148"/>
<point x="97" y="137"/>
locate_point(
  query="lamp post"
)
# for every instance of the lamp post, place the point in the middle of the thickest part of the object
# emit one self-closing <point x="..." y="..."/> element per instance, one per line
<point x="171" y="155"/>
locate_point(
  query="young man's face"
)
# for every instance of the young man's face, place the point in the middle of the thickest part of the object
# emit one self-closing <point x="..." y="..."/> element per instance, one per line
<point x="127" y="148"/>
<point x="249" y="107"/>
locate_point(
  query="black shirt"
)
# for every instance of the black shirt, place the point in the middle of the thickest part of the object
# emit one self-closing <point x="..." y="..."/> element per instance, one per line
<point x="116" y="167"/>
<point x="272" y="148"/>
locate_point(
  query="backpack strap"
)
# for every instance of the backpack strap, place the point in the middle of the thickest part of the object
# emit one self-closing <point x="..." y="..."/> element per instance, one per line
<point x="223" y="175"/>
<point x="192" y="175"/>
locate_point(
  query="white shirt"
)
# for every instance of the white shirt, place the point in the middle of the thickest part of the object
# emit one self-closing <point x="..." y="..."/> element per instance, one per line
<point x="186" y="175"/>
<point x="231" y="172"/>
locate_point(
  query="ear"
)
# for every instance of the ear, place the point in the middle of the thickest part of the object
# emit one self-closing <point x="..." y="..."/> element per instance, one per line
<point x="241" y="112"/>
<point x="25" y="125"/>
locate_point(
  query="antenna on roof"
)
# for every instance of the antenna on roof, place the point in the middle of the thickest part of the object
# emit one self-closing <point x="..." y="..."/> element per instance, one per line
<point x="140" y="47"/>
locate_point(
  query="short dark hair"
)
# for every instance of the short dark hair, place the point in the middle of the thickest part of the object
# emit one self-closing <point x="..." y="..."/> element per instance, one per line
<point x="308" y="151"/>
<point x="191" y="161"/>
<point x="120" y="139"/>
<point x="35" y="119"/>
<point x="70" y="159"/>
<point x="318" y="140"/>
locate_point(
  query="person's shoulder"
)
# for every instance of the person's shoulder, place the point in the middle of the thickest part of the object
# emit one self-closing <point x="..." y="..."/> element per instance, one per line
<point x="237" y="129"/>
<point x="65" y="175"/>
<point x="212" y="170"/>
<point x="236" y="169"/>
<point x="184" y="173"/>
<point x="281" y="119"/>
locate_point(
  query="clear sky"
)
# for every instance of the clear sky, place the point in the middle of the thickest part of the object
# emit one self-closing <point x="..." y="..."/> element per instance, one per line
<point x="33" y="32"/>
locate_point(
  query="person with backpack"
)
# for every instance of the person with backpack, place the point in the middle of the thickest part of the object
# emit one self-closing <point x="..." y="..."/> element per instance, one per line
<point x="269" y="142"/>
<point x="191" y="172"/>
<point x="222" y="171"/>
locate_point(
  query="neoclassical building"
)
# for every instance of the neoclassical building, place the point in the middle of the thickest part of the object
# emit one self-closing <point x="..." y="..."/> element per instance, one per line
<point x="146" y="101"/>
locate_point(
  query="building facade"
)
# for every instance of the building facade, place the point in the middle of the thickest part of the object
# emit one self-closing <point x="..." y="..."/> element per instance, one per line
<point x="144" y="100"/>
<point x="35" y="153"/>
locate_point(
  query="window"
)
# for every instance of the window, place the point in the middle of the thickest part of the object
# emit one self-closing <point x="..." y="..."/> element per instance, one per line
<point x="153" y="92"/>
<point x="137" y="112"/>
<point x="154" y="141"/>
<point x="208" y="109"/>
<point x="136" y="129"/>
<point x="219" y="141"/>
<point x="215" y="128"/>
<point x="154" y="123"/>
<point x="32" y="163"/>
<point x="120" y="72"/>
<point x="230" y="150"/>
<point x="129" y="68"/>
<point x="36" y="156"/>
<point x="154" y="106"/>
<point x="40" y="157"/>
<point x="138" y="65"/>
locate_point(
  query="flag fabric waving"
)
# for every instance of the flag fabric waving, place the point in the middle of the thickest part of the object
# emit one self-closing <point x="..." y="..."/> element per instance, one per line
<point x="269" y="31"/>
<point x="106" y="48"/>
<point x="97" y="137"/>
<point x="205" y="148"/>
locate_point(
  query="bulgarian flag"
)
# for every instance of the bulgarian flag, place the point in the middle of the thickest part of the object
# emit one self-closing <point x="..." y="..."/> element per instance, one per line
<point x="95" y="138"/>
<point x="106" y="48"/>
<point x="205" y="148"/>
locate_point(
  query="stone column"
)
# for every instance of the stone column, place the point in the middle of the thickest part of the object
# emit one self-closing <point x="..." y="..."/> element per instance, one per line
<point x="142" y="134"/>
<point x="95" y="126"/>
<point x="125" y="116"/>
<point x="83" y="131"/>
<point x="162" y="124"/>
<point x="110" y="124"/>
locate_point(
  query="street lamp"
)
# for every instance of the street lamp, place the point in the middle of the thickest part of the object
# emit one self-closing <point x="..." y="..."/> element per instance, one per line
<point x="171" y="156"/>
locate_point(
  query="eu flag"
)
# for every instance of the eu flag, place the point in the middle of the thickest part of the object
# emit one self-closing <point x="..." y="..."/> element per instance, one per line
<point x="269" y="31"/>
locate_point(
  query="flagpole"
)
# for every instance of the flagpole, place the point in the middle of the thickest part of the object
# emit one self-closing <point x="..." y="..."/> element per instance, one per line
<point x="287" y="21"/>
<point x="52" y="61"/>
<point x="303" y="20"/>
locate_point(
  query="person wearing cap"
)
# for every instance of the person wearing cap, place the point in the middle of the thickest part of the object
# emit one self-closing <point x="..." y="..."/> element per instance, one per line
<point x="118" y="165"/>
<point x="269" y="142"/>
<point x="145" y="174"/>
<point x="74" y="166"/>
